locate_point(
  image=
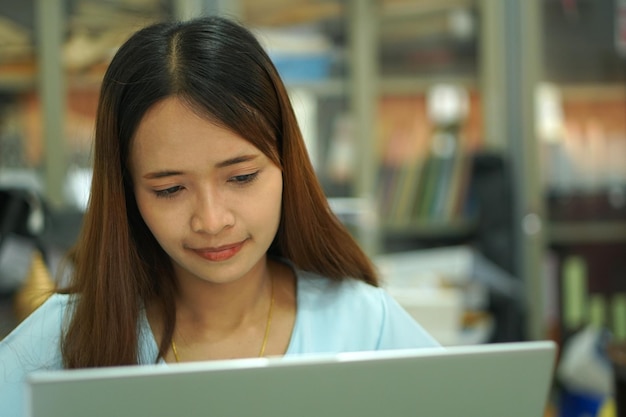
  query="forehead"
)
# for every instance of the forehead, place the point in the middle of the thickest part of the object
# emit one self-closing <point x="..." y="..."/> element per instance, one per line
<point x="171" y="132"/>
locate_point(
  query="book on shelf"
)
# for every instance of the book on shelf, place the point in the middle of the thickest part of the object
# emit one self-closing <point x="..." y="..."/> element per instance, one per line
<point x="432" y="189"/>
<point x="458" y="203"/>
<point x="432" y="172"/>
<point x="425" y="180"/>
<point x="446" y="182"/>
<point x="402" y="182"/>
<point x="408" y="185"/>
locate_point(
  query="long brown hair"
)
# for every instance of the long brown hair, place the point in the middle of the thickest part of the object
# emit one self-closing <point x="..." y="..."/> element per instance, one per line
<point x="221" y="71"/>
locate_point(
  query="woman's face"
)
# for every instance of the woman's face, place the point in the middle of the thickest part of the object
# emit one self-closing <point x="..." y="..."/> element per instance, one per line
<point x="210" y="198"/>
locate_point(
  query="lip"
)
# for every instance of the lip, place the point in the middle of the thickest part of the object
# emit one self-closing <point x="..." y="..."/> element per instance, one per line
<point x="221" y="253"/>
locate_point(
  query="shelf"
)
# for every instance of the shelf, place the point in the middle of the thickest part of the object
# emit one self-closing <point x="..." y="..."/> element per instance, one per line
<point x="17" y="77"/>
<point x="593" y="92"/>
<point x="16" y="83"/>
<point x="586" y="232"/>
<point x="27" y="81"/>
<point x="394" y="85"/>
<point x="324" y="88"/>
<point x="394" y="11"/>
<point x="430" y="230"/>
<point x="410" y="85"/>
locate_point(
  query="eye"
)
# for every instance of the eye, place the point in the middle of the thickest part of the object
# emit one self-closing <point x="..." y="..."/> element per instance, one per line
<point x="244" y="179"/>
<point x="168" y="192"/>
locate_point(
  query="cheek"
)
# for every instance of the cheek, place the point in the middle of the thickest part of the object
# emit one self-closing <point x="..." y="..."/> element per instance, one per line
<point x="265" y="211"/>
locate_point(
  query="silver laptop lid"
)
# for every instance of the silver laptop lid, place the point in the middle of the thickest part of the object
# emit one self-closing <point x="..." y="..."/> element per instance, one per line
<point x="511" y="379"/>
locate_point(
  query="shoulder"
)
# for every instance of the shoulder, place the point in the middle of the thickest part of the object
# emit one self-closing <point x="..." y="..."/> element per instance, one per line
<point x="352" y="299"/>
<point x="43" y="326"/>
<point x="33" y="345"/>
<point x="336" y="294"/>
<point x="357" y="315"/>
<point x="349" y="299"/>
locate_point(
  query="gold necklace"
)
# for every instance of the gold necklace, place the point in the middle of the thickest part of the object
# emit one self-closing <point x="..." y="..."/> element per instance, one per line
<point x="267" y="326"/>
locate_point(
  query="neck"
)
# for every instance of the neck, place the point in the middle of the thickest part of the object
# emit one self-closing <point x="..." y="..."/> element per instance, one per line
<point x="224" y="306"/>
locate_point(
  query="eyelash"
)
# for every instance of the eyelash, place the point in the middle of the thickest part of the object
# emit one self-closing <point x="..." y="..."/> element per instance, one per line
<point x="244" y="179"/>
<point x="168" y="192"/>
<point x="239" y="180"/>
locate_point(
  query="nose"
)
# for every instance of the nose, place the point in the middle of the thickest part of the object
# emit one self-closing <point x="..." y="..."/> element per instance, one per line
<point x="211" y="214"/>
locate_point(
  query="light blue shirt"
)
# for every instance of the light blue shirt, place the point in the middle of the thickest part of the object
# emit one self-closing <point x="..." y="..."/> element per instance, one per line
<point x="331" y="317"/>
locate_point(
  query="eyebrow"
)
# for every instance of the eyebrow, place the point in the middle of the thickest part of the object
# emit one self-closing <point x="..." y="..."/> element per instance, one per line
<point x="236" y="160"/>
<point x="161" y="174"/>
<point x="222" y="164"/>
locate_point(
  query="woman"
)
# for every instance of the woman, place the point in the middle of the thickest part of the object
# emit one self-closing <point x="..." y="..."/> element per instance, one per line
<point x="207" y="234"/>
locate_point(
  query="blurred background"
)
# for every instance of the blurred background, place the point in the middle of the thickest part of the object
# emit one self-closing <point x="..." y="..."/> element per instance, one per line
<point x="475" y="148"/>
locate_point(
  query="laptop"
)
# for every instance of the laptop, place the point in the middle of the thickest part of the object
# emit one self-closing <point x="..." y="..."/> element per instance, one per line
<point x="492" y="380"/>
